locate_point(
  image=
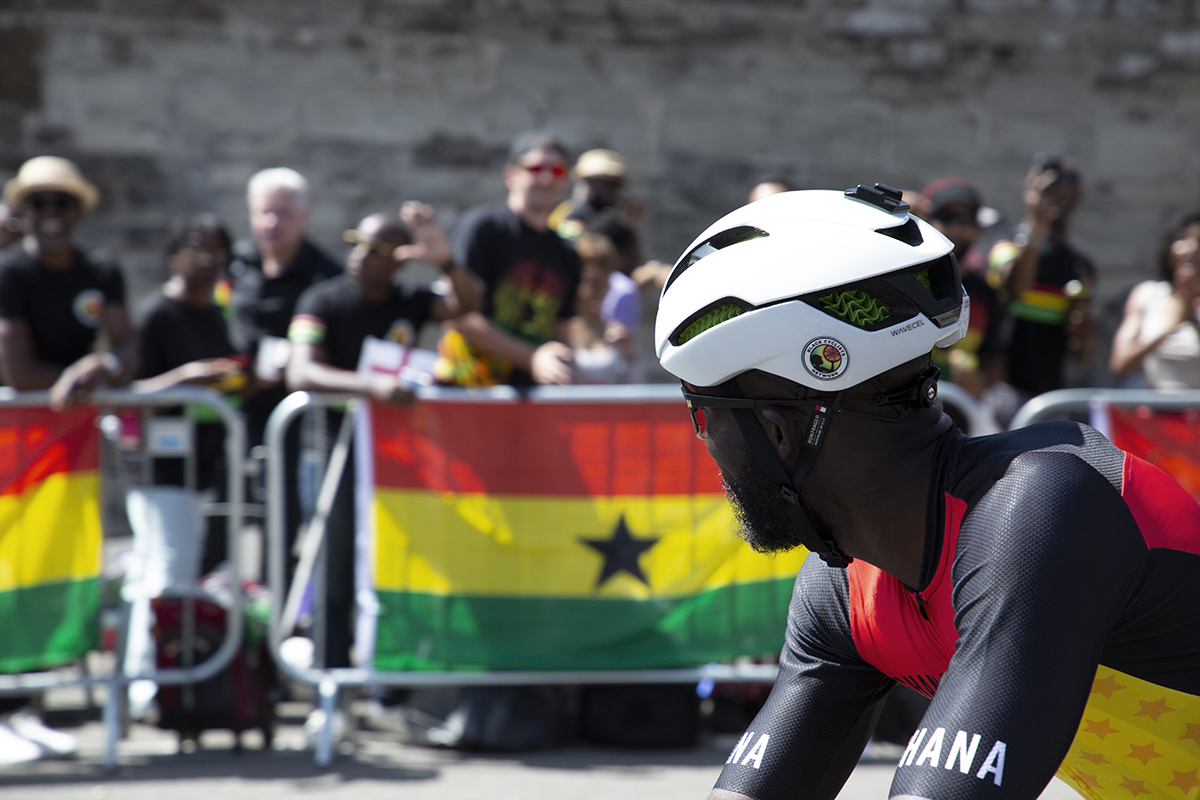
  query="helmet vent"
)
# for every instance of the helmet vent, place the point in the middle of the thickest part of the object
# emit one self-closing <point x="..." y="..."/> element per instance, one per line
<point x="856" y="307"/>
<point x="742" y="233"/>
<point x="923" y="278"/>
<point x="707" y="319"/>
<point x="908" y="233"/>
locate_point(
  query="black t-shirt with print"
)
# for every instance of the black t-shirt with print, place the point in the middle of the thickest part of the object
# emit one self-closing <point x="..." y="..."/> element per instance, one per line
<point x="174" y="333"/>
<point x="531" y="276"/>
<point x="63" y="308"/>
<point x="333" y="315"/>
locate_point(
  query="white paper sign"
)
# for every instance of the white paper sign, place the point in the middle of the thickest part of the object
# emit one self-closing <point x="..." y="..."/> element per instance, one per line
<point x="411" y="365"/>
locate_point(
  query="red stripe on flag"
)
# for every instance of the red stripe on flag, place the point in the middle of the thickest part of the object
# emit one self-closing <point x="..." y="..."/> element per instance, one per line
<point x="36" y="443"/>
<point x="600" y="450"/>
<point x="1169" y="440"/>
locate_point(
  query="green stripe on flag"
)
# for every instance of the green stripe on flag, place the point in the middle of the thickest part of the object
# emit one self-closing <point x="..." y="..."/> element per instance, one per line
<point x="48" y="625"/>
<point x="435" y="632"/>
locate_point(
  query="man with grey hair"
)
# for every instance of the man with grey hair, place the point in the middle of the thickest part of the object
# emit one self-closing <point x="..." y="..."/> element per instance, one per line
<point x="270" y="273"/>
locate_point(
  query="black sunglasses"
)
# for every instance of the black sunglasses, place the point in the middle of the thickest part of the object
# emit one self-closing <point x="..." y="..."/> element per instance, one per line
<point x="920" y="391"/>
<point x="696" y="404"/>
<point x="952" y="216"/>
<point x="51" y="201"/>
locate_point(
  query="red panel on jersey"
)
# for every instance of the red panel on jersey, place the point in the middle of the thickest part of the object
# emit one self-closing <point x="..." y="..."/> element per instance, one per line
<point x="885" y="617"/>
<point x="1166" y="514"/>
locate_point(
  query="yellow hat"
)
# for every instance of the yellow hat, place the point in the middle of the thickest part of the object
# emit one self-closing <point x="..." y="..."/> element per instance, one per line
<point x="600" y="164"/>
<point x="50" y="174"/>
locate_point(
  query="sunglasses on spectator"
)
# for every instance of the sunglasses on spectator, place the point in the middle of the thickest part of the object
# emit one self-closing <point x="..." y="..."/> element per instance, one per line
<point x="557" y="170"/>
<point x="956" y="216"/>
<point x="696" y="404"/>
<point x="374" y="245"/>
<point x="51" y="201"/>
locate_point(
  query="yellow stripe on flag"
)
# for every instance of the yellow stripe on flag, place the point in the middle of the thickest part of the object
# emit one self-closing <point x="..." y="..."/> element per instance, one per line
<point x="51" y="531"/>
<point x="523" y="546"/>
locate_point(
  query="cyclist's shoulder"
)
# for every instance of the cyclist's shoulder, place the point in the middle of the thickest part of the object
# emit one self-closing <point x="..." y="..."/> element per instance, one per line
<point x="1026" y="460"/>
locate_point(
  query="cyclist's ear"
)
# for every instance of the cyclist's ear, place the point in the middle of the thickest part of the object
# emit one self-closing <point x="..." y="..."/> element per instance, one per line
<point x="784" y="427"/>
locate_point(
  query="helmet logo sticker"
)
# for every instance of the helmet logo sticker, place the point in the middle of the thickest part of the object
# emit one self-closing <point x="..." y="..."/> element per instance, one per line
<point x="825" y="358"/>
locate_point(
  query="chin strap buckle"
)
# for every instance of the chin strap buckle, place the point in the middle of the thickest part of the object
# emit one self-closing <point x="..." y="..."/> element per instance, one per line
<point x="835" y="557"/>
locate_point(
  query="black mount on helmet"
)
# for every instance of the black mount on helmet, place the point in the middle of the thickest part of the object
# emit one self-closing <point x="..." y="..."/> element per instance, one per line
<point x="882" y="196"/>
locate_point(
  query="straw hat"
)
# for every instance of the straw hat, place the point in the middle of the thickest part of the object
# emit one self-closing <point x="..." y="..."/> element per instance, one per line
<point x="50" y="174"/>
<point x="600" y="164"/>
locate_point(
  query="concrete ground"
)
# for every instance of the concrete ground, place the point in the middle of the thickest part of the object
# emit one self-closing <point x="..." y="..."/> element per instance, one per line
<point x="375" y="764"/>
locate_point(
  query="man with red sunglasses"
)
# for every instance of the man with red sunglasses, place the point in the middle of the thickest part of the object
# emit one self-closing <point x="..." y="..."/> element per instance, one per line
<point x="529" y="276"/>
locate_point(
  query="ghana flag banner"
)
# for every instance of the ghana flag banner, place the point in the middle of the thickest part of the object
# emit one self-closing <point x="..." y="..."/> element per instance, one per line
<point x="50" y="542"/>
<point x="561" y="535"/>
<point x="1169" y="440"/>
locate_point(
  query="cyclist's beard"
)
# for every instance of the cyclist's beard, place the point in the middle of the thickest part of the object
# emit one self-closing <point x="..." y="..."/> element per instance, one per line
<point x="760" y="509"/>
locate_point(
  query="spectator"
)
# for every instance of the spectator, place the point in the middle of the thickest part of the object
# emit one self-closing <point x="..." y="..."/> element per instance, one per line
<point x="768" y="185"/>
<point x="529" y="278"/>
<point x="599" y="179"/>
<point x="621" y="301"/>
<point x="55" y="303"/>
<point x="603" y="345"/>
<point x="11" y="230"/>
<point x="975" y="362"/>
<point x="1160" y="332"/>
<point x="270" y="273"/>
<point x="1047" y="282"/>
<point x="183" y="336"/>
<point x="183" y="340"/>
<point x="56" y="300"/>
<point x="332" y="320"/>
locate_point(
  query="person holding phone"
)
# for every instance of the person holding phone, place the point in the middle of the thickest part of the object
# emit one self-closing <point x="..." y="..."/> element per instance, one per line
<point x="1046" y="281"/>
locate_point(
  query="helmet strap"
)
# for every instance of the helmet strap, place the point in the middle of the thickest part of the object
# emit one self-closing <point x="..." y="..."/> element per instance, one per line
<point x="809" y="534"/>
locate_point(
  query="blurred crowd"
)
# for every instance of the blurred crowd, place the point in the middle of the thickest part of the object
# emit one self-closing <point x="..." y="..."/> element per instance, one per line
<point x="547" y="287"/>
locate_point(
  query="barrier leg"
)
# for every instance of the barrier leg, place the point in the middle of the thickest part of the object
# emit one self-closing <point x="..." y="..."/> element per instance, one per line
<point x="112" y="719"/>
<point x="329" y="692"/>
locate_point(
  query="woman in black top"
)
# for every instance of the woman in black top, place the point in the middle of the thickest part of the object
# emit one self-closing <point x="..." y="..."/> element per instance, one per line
<point x="183" y="340"/>
<point x="183" y="337"/>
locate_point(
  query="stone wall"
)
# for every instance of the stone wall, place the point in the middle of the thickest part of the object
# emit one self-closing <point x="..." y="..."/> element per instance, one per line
<point x="170" y="105"/>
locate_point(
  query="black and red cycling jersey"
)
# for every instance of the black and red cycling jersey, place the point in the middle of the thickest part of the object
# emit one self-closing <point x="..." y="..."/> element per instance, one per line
<point x="1057" y="629"/>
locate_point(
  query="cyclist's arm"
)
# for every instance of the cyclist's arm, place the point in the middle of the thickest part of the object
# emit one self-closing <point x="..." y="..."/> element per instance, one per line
<point x="1040" y="566"/>
<point x="812" y="730"/>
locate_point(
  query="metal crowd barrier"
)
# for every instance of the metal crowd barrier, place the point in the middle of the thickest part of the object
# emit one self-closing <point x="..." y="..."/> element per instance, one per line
<point x="117" y="682"/>
<point x="1064" y="401"/>
<point x="287" y="599"/>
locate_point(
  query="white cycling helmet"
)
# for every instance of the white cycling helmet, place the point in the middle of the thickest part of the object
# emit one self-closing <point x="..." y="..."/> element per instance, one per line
<point x="826" y="289"/>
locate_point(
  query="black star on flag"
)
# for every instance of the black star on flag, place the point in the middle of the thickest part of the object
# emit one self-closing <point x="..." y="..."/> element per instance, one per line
<point x="621" y="553"/>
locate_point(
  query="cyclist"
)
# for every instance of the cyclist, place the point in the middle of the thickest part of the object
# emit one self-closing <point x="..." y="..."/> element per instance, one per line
<point x="1040" y="585"/>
